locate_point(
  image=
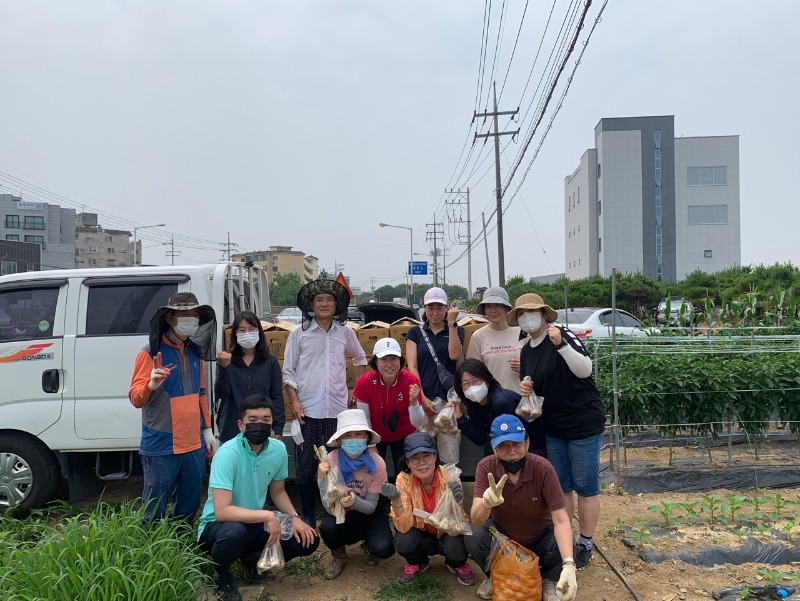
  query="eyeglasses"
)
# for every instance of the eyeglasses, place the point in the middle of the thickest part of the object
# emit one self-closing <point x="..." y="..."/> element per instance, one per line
<point x="469" y="383"/>
<point x="421" y="458"/>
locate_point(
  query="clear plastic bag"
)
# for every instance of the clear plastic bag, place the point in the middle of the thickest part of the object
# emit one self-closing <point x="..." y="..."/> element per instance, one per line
<point x="448" y="516"/>
<point x="297" y="433"/>
<point x="449" y="447"/>
<point x="530" y="407"/>
<point x="271" y="559"/>
<point x="428" y="426"/>
<point x="445" y="421"/>
<point x="336" y="488"/>
<point x="285" y="520"/>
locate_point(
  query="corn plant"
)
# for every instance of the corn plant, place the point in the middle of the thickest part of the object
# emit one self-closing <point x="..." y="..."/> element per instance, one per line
<point x="108" y="554"/>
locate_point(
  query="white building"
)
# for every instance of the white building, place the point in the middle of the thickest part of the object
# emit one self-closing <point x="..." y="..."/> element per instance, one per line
<point x="50" y="226"/>
<point x="644" y="201"/>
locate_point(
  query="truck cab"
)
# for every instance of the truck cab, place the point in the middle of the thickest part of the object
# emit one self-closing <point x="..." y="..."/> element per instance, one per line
<point x="68" y="340"/>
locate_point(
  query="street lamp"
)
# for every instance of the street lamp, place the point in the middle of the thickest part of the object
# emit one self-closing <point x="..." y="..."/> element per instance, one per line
<point x="136" y="258"/>
<point x="410" y="259"/>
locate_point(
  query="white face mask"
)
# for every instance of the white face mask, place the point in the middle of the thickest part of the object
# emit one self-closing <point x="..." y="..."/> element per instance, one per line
<point x="186" y="326"/>
<point x="530" y="321"/>
<point x="247" y="340"/>
<point x="476" y="393"/>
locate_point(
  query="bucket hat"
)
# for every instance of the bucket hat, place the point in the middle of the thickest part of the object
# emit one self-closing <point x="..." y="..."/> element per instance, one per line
<point x="493" y="296"/>
<point x="529" y="302"/>
<point x="352" y="420"/>
<point x="307" y="293"/>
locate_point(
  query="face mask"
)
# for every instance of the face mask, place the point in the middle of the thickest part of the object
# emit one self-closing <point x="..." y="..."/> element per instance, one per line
<point x="354" y="447"/>
<point x="247" y="340"/>
<point x="476" y="393"/>
<point x="257" y="433"/>
<point x="186" y="326"/>
<point x="530" y="321"/>
<point x="512" y="467"/>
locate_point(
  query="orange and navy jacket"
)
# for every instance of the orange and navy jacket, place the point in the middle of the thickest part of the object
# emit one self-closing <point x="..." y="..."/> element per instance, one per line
<point x="173" y="415"/>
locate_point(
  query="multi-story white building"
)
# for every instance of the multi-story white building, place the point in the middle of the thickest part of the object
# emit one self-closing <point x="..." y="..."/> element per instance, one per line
<point x="96" y="246"/>
<point x="644" y="201"/>
<point x="50" y="226"/>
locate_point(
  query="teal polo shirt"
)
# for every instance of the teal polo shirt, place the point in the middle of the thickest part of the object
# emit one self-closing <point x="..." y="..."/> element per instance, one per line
<point x="237" y="468"/>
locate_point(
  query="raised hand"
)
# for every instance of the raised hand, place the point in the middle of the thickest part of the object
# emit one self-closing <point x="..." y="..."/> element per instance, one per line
<point x="555" y="334"/>
<point x="413" y="393"/>
<point x="158" y="374"/>
<point x="390" y="491"/>
<point x="493" y="496"/>
<point x="223" y="358"/>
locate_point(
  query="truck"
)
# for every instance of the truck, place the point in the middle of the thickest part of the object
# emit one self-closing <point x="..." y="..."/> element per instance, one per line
<point x="68" y="340"/>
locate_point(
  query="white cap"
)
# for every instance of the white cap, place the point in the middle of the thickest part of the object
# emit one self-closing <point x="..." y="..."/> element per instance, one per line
<point x="387" y="346"/>
<point x="435" y="295"/>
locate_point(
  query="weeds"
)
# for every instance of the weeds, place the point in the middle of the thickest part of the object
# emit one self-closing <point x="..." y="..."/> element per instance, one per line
<point x="423" y="588"/>
<point x="305" y="568"/>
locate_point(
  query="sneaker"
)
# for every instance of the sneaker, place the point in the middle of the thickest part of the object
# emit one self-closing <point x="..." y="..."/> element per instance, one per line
<point x="582" y="556"/>
<point x="485" y="590"/>
<point x="226" y="592"/>
<point x="464" y="574"/>
<point x="412" y="571"/>
<point x="550" y="591"/>
<point x="337" y="563"/>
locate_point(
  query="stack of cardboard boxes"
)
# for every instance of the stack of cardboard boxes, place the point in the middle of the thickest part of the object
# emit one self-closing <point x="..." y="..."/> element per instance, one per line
<point x="368" y="334"/>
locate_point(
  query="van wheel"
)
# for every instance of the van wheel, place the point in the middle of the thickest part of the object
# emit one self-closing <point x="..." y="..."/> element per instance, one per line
<point x="29" y="472"/>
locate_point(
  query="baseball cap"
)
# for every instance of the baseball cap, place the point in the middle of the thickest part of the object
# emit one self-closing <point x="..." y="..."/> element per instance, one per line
<point x="506" y="427"/>
<point x="418" y="442"/>
<point x="387" y="346"/>
<point x="435" y="295"/>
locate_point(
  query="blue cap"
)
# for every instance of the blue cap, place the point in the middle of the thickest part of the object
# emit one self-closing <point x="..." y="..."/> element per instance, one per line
<point x="507" y="427"/>
<point x="418" y="442"/>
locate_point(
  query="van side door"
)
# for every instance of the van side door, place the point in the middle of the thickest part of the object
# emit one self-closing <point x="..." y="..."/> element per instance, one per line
<point x="113" y="326"/>
<point x="31" y="354"/>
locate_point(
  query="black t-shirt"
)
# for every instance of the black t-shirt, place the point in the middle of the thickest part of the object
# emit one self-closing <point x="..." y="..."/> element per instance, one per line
<point x="572" y="406"/>
<point x="428" y="374"/>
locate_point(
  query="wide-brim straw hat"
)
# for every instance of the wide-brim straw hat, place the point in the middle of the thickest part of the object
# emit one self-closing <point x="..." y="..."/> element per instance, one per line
<point x="529" y="302"/>
<point x="352" y="420"/>
<point x="493" y="296"/>
<point x="307" y="293"/>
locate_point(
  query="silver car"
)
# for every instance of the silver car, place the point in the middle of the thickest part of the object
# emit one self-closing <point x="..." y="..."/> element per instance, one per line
<point x="289" y="315"/>
<point x="590" y="322"/>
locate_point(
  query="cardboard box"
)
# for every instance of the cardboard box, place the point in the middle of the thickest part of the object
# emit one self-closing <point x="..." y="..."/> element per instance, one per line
<point x="277" y="334"/>
<point x="370" y="333"/>
<point x="471" y="325"/>
<point x="351" y="373"/>
<point x="399" y="330"/>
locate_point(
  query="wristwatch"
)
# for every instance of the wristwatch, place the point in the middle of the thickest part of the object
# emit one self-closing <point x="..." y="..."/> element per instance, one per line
<point x="568" y="561"/>
<point x="453" y="325"/>
<point x="563" y="344"/>
<point x="295" y="514"/>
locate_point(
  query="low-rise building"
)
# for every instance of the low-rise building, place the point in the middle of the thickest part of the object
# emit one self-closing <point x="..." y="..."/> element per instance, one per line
<point x="283" y="260"/>
<point x="96" y="246"/>
<point x="50" y="226"/>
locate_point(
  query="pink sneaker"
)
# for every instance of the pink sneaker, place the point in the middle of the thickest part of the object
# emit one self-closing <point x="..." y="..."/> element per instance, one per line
<point x="464" y="574"/>
<point x="412" y="571"/>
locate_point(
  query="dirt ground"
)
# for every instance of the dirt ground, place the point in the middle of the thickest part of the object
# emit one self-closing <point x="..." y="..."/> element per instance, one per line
<point x="668" y="581"/>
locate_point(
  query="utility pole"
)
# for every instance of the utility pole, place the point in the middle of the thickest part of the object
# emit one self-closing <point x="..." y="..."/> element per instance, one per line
<point x="228" y="247"/>
<point x="434" y="236"/>
<point x="172" y="252"/>
<point x="463" y="198"/>
<point x="486" y="246"/>
<point x="499" y="189"/>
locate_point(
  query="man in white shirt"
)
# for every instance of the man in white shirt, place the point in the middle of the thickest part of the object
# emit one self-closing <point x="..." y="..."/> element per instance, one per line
<point x="315" y="377"/>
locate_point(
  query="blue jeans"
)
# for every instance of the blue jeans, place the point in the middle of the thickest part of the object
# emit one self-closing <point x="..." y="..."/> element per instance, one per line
<point x="176" y="478"/>
<point x="577" y="463"/>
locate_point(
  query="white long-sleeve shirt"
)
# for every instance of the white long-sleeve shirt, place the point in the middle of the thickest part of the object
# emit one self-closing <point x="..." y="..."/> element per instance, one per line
<point x="314" y="365"/>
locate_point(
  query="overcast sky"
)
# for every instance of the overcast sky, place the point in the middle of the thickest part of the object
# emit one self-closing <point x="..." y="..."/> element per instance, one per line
<point x="307" y="123"/>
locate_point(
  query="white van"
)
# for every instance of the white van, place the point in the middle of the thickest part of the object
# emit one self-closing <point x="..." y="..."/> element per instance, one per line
<point x="68" y="340"/>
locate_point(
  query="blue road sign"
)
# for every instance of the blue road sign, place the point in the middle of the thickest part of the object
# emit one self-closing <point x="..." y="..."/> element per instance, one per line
<point x="418" y="268"/>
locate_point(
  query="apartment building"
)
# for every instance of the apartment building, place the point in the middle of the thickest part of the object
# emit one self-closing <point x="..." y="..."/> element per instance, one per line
<point x="96" y="246"/>
<point x="50" y="226"/>
<point x="283" y="260"/>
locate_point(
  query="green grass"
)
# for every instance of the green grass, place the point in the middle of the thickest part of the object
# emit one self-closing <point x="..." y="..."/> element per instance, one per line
<point x="109" y="554"/>
<point x="423" y="588"/>
<point x="304" y="568"/>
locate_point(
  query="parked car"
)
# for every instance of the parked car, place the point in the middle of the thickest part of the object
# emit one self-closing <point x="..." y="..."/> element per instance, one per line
<point x="591" y="322"/>
<point x="677" y="307"/>
<point x="387" y="312"/>
<point x="353" y="314"/>
<point x="289" y="315"/>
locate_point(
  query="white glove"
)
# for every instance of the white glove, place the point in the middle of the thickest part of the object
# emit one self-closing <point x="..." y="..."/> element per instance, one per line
<point x="493" y="496"/>
<point x="211" y="441"/>
<point x="567" y="583"/>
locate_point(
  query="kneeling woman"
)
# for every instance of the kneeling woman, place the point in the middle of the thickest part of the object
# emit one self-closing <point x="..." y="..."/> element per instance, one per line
<point x="419" y="486"/>
<point x="364" y="472"/>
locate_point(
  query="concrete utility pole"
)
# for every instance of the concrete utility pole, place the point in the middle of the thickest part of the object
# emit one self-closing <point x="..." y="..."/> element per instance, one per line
<point x="499" y="189"/>
<point x="434" y="236"/>
<point x="227" y="248"/>
<point x="463" y="198"/>
<point x="486" y="246"/>
<point x="172" y="252"/>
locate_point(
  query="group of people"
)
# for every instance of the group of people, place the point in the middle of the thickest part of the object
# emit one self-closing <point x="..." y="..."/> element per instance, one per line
<point x="531" y="469"/>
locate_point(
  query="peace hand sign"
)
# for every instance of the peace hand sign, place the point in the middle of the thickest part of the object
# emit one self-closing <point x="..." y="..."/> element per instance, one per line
<point x="493" y="496"/>
<point x="159" y="373"/>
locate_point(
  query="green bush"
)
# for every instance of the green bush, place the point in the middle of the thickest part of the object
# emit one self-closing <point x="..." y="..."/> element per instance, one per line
<point x="108" y="554"/>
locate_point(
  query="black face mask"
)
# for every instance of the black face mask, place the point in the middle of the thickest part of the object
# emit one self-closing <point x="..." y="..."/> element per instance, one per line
<point x="257" y="433"/>
<point x="512" y="467"/>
